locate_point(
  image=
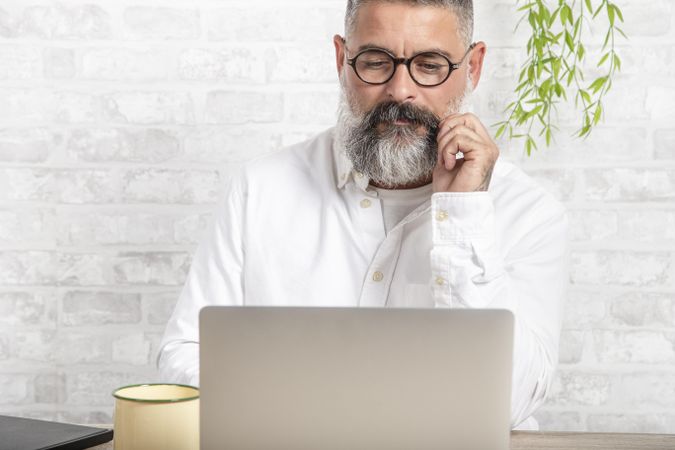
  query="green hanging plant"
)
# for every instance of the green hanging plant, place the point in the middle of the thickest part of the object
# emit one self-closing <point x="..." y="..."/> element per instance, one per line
<point x="553" y="69"/>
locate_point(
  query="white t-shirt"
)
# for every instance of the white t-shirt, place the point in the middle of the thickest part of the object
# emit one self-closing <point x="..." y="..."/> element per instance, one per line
<point x="396" y="204"/>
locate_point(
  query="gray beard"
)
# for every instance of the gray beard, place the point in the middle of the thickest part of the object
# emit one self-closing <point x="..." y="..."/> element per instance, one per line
<point x="393" y="158"/>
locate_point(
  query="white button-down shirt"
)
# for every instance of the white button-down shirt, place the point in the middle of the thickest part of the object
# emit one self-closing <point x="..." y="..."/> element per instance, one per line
<point x="299" y="227"/>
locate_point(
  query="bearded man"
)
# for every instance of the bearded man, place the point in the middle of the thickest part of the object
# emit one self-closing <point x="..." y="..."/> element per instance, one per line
<point x="403" y="204"/>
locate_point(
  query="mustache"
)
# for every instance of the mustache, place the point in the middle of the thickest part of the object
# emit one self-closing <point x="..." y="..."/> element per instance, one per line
<point x="393" y="111"/>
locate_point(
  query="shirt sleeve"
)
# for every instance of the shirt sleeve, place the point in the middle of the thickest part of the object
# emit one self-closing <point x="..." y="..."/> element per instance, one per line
<point x="472" y="269"/>
<point x="215" y="278"/>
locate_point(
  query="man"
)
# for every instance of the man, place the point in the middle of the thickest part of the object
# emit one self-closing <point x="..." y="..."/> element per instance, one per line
<point x="404" y="203"/>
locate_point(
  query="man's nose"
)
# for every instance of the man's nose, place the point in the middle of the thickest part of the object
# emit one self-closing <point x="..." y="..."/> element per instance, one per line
<point x="401" y="87"/>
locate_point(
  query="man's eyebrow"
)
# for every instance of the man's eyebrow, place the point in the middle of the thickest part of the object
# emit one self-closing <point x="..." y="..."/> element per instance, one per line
<point x="371" y="45"/>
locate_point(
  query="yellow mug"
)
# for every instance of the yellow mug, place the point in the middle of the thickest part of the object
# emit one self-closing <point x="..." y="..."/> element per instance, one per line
<point x="156" y="416"/>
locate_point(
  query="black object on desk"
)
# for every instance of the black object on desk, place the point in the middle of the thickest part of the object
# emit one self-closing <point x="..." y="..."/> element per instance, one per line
<point x="17" y="433"/>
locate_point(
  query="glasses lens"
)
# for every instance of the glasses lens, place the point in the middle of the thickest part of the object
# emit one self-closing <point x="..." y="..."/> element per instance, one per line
<point x="374" y="66"/>
<point x="429" y="69"/>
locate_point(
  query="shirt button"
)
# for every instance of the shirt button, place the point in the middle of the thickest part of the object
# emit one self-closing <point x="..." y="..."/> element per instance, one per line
<point x="440" y="281"/>
<point x="378" y="276"/>
<point x="358" y="174"/>
<point x="441" y="216"/>
<point x="365" y="203"/>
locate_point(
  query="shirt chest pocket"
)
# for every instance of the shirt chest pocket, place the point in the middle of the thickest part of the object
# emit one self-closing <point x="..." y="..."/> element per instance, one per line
<point x="417" y="296"/>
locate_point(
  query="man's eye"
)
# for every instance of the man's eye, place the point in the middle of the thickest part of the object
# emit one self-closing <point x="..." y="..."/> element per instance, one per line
<point x="429" y="67"/>
<point x="375" y="64"/>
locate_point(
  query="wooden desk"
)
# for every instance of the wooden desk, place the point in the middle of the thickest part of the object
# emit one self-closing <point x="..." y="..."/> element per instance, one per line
<point x="543" y="440"/>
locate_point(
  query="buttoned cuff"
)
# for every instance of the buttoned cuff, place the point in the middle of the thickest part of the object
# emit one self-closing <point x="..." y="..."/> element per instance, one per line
<point x="461" y="217"/>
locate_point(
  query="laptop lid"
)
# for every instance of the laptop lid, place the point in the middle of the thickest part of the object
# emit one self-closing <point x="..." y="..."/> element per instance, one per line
<point x="20" y="433"/>
<point x="351" y="378"/>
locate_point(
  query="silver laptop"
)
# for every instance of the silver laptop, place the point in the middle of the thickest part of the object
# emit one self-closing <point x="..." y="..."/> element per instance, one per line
<point x="354" y="378"/>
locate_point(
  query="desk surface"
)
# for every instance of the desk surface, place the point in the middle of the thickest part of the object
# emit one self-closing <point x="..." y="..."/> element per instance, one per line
<point x="546" y="440"/>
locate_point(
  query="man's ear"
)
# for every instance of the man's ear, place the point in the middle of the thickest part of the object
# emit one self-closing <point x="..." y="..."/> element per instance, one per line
<point x="339" y="43"/>
<point x="476" y="62"/>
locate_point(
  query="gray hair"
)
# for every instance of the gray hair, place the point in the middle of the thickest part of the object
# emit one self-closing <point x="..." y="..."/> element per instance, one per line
<point x="463" y="9"/>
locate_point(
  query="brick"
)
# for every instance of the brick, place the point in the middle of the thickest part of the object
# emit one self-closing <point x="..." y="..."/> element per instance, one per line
<point x="35" y="226"/>
<point x="26" y="105"/>
<point x="630" y="185"/>
<point x="34" y="345"/>
<point x="4" y="347"/>
<point x="100" y="308"/>
<point x="7" y="29"/>
<point x="87" y="228"/>
<point x="571" y="346"/>
<point x="274" y="24"/>
<point x="155" y="268"/>
<point x="20" y="63"/>
<point x="75" y="269"/>
<point x="646" y="347"/>
<point x="664" y="144"/>
<point x="85" y="186"/>
<point x="235" y="107"/>
<point x="653" y="388"/>
<point x="559" y="421"/>
<point x="78" y="107"/>
<point x="147" y="108"/>
<point x="61" y="22"/>
<point x="302" y="64"/>
<point x="632" y="423"/>
<point x="585" y="309"/>
<point x="161" y="23"/>
<point x="124" y="64"/>
<point x="14" y="388"/>
<point x="312" y="108"/>
<point x="26" y="184"/>
<point x="131" y="349"/>
<point x="160" y="306"/>
<point x="503" y="64"/>
<point x="559" y="183"/>
<point x="580" y="389"/>
<point x="170" y="186"/>
<point x="232" y="65"/>
<point x="628" y="106"/>
<point x="31" y="145"/>
<point x="59" y="62"/>
<point x="658" y="60"/>
<point x="621" y="268"/>
<point x="92" y="389"/>
<point x="23" y="309"/>
<point x="643" y="309"/>
<point x="74" y="347"/>
<point x="660" y="102"/>
<point x="147" y="145"/>
<point x="65" y="186"/>
<point x="224" y="145"/>
<point x="593" y="225"/>
<point x="31" y="267"/>
<point x="190" y="229"/>
<point x="49" y="388"/>
<point x="649" y="226"/>
<point x="647" y="18"/>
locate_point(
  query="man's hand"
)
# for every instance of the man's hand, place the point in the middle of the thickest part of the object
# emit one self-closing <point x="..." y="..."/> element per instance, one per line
<point x="464" y="133"/>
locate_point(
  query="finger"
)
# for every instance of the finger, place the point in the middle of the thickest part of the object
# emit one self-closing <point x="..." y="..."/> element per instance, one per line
<point x="468" y="120"/>
<point x="457" y="131"/>
<point x="470" y="148"/>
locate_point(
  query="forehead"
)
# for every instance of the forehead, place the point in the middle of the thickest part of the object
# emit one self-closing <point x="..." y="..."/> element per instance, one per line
<point x="402" y="27"/>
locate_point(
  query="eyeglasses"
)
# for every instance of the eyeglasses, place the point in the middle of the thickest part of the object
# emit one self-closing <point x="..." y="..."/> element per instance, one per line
<point x="428" y="69"/>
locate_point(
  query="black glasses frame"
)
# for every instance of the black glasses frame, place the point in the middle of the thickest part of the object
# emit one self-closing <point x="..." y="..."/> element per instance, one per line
<point x="407" y="62"/>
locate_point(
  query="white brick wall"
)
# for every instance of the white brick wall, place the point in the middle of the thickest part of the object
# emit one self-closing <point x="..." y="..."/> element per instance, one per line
<point x="120" y="118"/>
